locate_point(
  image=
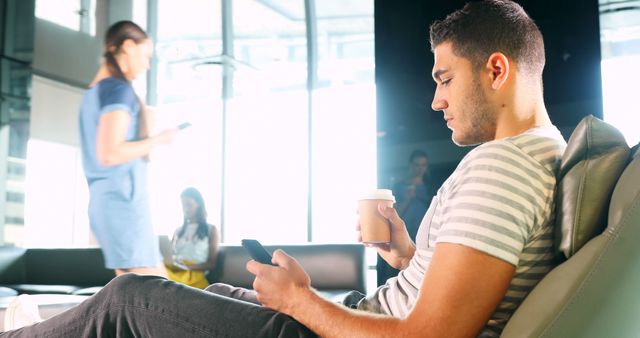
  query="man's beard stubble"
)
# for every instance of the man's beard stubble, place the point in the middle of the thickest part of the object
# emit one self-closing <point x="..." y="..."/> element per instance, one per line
<point x="480" y="121"/>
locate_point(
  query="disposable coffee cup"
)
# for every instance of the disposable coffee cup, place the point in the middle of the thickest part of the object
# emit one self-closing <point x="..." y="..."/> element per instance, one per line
<point x="374" y="228"/>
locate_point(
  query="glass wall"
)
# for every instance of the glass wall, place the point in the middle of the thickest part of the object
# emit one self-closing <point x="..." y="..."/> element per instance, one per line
<point x="344" y="124"/>
<point x="16" y="56"/>
<point x="188" y="89"/>
<point x="282" y="105"/>
<point x="73" y="14"/>
<point x="266" y="169"/>
<point x="285" y="102"/>
<point x="620" y="39"/>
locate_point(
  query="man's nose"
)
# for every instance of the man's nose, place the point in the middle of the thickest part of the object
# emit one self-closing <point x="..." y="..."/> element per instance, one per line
<point x="439" y="103"/>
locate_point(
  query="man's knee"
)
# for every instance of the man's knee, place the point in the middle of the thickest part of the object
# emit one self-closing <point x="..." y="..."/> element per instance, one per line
<point x="230" y="291"/>
<point x="220" y="289"/>
<point x="129" y="282"/>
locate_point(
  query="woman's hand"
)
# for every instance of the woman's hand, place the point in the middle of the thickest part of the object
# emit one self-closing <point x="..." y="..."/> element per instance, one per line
<point x="112" y="147"/>
<point x="180" y="264"/>
<point x="410" y="192"/>
<point x="167" y="136"/>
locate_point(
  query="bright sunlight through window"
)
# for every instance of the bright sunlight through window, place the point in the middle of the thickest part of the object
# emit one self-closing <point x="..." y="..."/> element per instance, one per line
<point x="620" y="95"/>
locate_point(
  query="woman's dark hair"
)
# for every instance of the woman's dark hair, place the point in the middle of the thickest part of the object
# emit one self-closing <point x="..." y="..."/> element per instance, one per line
<point x="421" y="154"/>
<point x="116" y="35"/>
<point x="417" y="154"/>
<point x="201" y="213"/>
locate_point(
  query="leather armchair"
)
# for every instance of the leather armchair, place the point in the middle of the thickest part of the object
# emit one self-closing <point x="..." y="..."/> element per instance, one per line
<point x="594" y="291"/>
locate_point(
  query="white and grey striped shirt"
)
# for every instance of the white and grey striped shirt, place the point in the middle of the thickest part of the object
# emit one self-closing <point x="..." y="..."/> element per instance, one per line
<point x="499" y="200"/>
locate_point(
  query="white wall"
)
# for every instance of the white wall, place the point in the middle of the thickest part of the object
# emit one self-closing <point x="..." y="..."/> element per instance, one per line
<point x="64" y="54"/>
<point x="56" y="194"/>
<point x="54" y="111"/>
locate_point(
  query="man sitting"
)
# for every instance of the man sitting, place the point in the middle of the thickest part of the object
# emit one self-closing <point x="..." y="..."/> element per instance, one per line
<point x="484" y="243"/>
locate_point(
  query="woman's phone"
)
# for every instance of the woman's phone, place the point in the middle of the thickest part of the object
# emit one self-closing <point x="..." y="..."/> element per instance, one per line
<point x="184" y="125"/>
<point x="257" y="251"/>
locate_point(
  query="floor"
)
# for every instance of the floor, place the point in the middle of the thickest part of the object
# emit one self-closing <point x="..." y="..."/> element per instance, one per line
<point x="49" y="305"/>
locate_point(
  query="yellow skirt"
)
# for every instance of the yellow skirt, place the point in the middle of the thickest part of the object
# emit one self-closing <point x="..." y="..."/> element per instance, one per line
<point x="194" y="278"/>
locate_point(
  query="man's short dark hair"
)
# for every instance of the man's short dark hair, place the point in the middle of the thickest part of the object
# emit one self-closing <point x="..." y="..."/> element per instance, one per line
<point x="484" y="27"/>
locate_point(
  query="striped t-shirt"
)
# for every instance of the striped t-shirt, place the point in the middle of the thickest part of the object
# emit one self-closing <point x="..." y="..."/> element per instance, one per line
<point x="499" y="200"/>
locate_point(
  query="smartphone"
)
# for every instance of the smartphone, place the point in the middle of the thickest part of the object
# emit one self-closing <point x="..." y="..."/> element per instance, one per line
<point x="257" y="251"/>
<point x="184" y="125"/>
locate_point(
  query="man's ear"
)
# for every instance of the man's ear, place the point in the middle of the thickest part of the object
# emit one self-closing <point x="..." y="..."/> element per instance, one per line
<point x="499" y="69"/>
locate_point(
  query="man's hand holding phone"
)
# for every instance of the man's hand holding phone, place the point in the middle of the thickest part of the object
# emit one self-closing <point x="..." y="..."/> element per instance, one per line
<point x="257" y="251"/>
<point x="280" y="285"/>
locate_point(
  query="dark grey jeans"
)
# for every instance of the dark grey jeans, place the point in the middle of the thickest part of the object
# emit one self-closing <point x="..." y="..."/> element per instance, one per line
<point x="148" y="306"/>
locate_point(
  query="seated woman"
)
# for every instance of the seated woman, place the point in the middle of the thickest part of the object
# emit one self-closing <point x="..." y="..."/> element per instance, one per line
<point x="194" y="244"/>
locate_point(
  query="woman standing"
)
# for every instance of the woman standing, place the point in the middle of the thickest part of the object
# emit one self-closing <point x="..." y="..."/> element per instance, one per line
<point x="114" y="128"/>
<point x="195" y="243"/>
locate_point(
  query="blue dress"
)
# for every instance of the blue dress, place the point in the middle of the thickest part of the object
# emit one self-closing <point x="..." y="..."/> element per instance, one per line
<point x="119" y="205"/>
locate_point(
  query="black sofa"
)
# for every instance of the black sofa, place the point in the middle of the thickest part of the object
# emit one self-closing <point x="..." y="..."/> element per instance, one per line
<point x="53" y="271"/>
<point x="334" y="268"/>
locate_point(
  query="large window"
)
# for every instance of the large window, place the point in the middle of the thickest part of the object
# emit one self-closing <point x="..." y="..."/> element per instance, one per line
<point x="188" y="89"/>
<point x="72" y="14"/>
<point x="620" y="39"/>
<point x="344" y="124"/>
<point x="16" y="56"/>
<point x="281" y="99"/>
<point x="285" y="102"/>
<point x="267" y="127"/>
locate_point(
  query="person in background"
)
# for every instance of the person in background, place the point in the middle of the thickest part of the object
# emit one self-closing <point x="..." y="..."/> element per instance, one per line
<point x="414" y="193"/>
<point x="413" y="197"/>
<point x="194" y="244"/>
<point x="116" y="141"/>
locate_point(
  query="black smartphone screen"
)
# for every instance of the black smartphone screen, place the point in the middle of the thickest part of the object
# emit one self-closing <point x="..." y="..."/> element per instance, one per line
<point x="184" y="125"/>
<point x="257" y="251"/>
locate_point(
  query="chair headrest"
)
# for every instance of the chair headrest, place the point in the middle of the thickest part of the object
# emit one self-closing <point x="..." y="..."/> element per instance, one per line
<point x="595" y="156"/>
<point x="626" y="193"/>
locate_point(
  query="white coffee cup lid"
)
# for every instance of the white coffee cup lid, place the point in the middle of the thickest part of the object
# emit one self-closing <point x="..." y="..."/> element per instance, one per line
<point x="379" y="194"/>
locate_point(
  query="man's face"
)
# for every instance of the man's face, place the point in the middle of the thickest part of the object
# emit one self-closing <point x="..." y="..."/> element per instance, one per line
<point x="419" y="166"/>
<point x="461" y="97"/>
